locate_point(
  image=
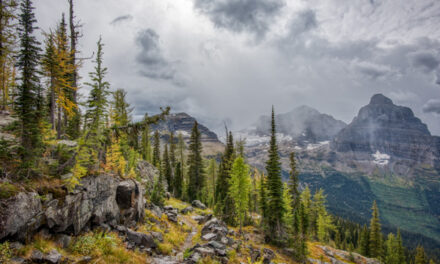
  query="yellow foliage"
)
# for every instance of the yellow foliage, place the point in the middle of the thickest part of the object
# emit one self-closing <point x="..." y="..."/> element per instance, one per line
<point x="115" y="160"/>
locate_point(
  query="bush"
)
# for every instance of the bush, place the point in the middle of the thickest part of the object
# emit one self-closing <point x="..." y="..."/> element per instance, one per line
<point x="5" y="252"/>
<point x="7" y="190"/>
<point x="94" y="244"/>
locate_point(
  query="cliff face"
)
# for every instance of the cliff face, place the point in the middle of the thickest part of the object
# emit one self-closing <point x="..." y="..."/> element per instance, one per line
<point x="383" y="127"/>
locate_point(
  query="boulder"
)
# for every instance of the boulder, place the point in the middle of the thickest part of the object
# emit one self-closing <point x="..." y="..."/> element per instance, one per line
<point x="148" y="175"/>
<point x="129" y="197"/>
<point x="268" y="255"/>
<point x="205" y="251"/>
<point x="216" y="245"/>
<point x="186" y="210"/>
<point x="63" y="240"/>
<point x="198" y="204"/>
<point x="209" y="237"/>
<point x="54" y="257"/>
<point x="215" y="226"/>
<point x="37" y="256"/>
<point x="141" y="239"/>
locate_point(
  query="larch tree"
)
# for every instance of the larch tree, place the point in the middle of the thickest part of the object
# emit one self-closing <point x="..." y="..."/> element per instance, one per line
<point x="400" y="249"/>
<point x="7" y="43"/>
<point x="420" y="256"/>
<point x="263" y="201"/>
<point x="391" y="246"/>
<point x="195" y="165"/>
<point x="375" y="244"/>
<point x="274" y="187"/>
<point x="239" y="188"/>
<point x="29" y="98"/>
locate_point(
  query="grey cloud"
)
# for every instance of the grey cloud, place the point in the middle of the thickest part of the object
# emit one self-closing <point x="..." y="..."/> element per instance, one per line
<point x="432" y="106"/>
<point x="121" y="19"/>
<point x="303" y="22"/>
<point x="426" y="60"/>
<point x="371" y="70"/>
<point x="154" y="64"/>
<point x="252" y="16"/>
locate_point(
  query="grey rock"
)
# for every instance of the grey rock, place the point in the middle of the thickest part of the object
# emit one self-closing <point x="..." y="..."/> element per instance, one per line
<point x="198" y="204"/>
<point x="186" y="210"/>
<point x="141" y="239"/>
<point x="268" y="255"/>
<point x="209" y="237"/>
<point x="205" y="251"/>
<point x="129" y="197"/>
<point x="216" y="245"/>
<point x="84" y="260"/>
<point x="16" y="245"/>
<point x="17" y="260"/>
<point x="121" y="229"/>
<point x="158" y="236"/>
<point x="54" y="257"/>
<point x="63" y="240"/>
<point x="220" y="252"/>
<point x="215" y="226"/>
<point x="37" y="256"/>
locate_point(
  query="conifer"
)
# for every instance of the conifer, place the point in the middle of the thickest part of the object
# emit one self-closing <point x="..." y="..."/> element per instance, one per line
<point x="274" y="186"/>
<point x="420" y="255"/>
<point x="239" y="188"/>
<point x="156" y="149"/>
<point x="375" y="244"/>
<point x="166" y="169"/>
<point x="178" y="180"/>
<point x="195" y="163"/>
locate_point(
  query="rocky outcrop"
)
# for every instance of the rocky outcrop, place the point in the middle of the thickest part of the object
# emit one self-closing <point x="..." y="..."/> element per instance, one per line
<point x="148" y="175"/>
<point x="384" y="128"/>
<point x="96" y="201"/>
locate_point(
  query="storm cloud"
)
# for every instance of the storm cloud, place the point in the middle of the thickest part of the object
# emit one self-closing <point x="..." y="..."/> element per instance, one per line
<point x="232" y="59"/>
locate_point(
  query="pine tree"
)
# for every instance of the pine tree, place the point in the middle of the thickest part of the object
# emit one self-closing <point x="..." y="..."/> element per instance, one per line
<point x="121" y="109"/>
<point x="375" y="244"/>
<point x="400" y="249"/>
<point x="172" y="150"/>
<point x="364" y="241"/>
<point x="166" y="169"/>
<point x="211" y="173"/>
<point x="239" y="188"/>
<point x="29" y="100"/>
<point x="195" y="171"/>
<point x="178" y="180"/>
<point x="392" y="255"/>
<point x="146" y="142"/>
<point x="224" y="203"/>
<point x="293" y="185"/>
<point x="420" y="255"/>
<point x="156" y="149"/>
<point x="263" y="200"/>
<point x="274" y="187"/>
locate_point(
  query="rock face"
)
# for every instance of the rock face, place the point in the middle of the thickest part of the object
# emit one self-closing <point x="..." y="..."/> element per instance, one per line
<point x="303" y="124"/>
<point x="97" y="201"/>
<point x="182" y="122"/>
<point x="382" y="127"/>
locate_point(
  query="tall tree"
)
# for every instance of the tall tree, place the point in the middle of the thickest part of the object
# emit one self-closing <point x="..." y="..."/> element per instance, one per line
<point x="420" y="255"/>
<point x="195" y="171"/>
<point x="364" y="241"/>
<point x="29" y="100"/>
<point x="375" y="245"/>
<point x="121" y="109"/>
<point x="224" y="203"/>
<point x="172" y="150"/>
<point x="400" y="249"/>
<point x="274" y="186"/>
<point x="166" y="169"/>
<point x="7" y="42"/>
<point x="293" y="186"/>
<point x="74" y="124"/>
<point x="156" y="149"/>
<point x="263" y="201"/>
<point x="240" y="186"/>
<point x="178" y="180"/>
<point x="146" y="144"/>
<point x="392" y="255"/>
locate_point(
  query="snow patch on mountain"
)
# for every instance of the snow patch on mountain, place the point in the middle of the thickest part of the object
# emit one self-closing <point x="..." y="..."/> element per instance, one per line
<point x="317" y="145"/>
<point x="381" y="159"/>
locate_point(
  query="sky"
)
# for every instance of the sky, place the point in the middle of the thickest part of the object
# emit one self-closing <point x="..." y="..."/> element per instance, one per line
<point x="229" y="61"/>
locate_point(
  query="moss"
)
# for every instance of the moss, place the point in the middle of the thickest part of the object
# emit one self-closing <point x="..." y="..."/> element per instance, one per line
<point x="7" y="190"/>
<point x="5" y="252"/>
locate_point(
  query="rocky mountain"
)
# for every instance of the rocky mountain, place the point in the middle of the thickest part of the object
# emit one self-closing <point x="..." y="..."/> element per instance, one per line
<point x="385" y="154"/>
<point x="182" y="123"/>
<point x="301" y="124"/>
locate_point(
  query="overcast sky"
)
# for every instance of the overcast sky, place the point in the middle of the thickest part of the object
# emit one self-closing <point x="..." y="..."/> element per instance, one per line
<point x="230" y="60"/>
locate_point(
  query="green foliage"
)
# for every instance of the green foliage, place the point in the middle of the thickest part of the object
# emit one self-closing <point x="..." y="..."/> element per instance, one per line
<point x="375" y="244"/>
<point x="178" y="180"/>
<point x="365" y="241"/>
<point x="195" y="163"/>
<point x="158" y="193"/>
<point x="240" y="186"/>
<point x="93" y="244"/>
<point x="274" y="187"/>
<point x="7" y="190"/>
<point x="420" y="256"/>
<point x="156" y="150"/>
<point x="166" y="169"/>
<point x="5" y="252"/>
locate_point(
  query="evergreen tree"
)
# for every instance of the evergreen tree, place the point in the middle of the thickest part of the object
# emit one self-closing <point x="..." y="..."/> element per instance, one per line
<point x="392" y="254"/>
<point x="420" y="255"/>
<point x="293" y="185"/>
<point x="156" y="149"/>
<point x="364" y="241"/>
<point x="263" y="201"/>
<point x="178" y="180"/>
<point x="274" y="186"/>
<point x="224" y="203"/>
<point x="239" y="188"/>
<point x="29" y="99"/>
<point x="375" y="244"/>
<point x="121" y="109"/>
<point x="210" y="186"/>
<point x="172" y="150"/>
<point x="400" y="249"/>
<point x="166" y="169"/>
<point x="195" y="163"/>
<point x="158" y="193"/>
<point x="146" y="142"/>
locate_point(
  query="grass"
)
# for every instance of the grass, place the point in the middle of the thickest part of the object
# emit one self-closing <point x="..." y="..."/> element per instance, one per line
<point x="7" y="190"/>
<point x="5" y="252"/>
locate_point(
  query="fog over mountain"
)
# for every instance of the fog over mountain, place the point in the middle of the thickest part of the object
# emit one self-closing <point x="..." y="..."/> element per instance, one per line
<point x="231" y="60"/>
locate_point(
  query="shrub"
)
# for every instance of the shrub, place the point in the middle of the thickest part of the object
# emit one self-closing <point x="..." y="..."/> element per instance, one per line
<point x="7" y="190"/>
<point x="5" y="252"/>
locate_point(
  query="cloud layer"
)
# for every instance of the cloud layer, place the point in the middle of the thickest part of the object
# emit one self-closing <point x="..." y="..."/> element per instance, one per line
<point x="232" y="59"/>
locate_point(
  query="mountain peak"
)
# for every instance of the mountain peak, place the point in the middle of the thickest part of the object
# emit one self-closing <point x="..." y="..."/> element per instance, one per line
<point x="380" y="99"/>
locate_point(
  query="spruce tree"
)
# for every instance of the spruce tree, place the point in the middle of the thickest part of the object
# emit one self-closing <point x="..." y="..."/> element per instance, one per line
<point x="156" y="149"/>
<point x="166" y="169"/>
<point x="224" y="203"/>
<point x="274" y="187"/>
<point x="400" y="249"/>
<point x="364" y="242"/>
<point x="29" y="98"/>
<point x="392" y="254"/>
<point x="178" y="180"/>
<point x="375" y="244"/>
<point x="146" y="142"/>
<point x="293" y="186"/>
<point x="195" y="170"/>
<point x="172" y="150"/>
